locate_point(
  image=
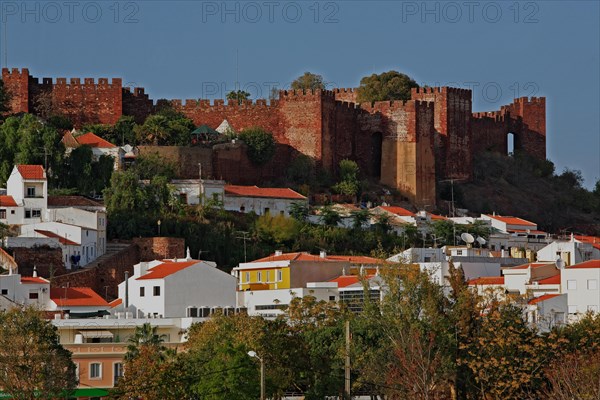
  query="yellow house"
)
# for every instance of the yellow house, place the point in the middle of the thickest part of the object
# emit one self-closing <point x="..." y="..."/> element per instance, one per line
<point x="293" y="270"/>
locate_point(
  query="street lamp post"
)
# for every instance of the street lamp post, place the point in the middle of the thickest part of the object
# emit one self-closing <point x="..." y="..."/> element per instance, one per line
<point x="262" y="373"/>
<point x="158" y="223"/>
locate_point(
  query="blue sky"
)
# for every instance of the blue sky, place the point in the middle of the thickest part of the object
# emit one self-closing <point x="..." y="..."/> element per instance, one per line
<point x="188" y="49"/>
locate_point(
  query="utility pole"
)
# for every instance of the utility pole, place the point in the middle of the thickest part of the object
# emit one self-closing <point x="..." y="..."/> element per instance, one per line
<point x="244" y="237"/>
<point x="347" y="364"/>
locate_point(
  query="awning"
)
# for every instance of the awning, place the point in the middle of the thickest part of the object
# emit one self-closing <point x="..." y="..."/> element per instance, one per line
<point x="96" y="334"/>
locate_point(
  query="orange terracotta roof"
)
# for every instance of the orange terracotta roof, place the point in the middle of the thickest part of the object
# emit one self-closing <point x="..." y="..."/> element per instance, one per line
<point x="553" y="280"/>
<point x="587" y="264"/>
<point x="72" y="201"/>
<point x="255" y="191"/>
<point x="167" y="268"/>
<point x="92" y="140"/>
<point x="62" y="240"/>
<point x="436" y="217"/>
<point x="115" y="303"/>
<point x="69" y="140"/>
<point x="347" y="280"/>
<point x="593" y="240"/>
<point x="7" y="201"/>
<point x="532" y="265"/>
<point x="403" y="212"/>
<point x="512" y="220"/>
<point x="357" y="259"/>
<point x="31" y="171"/>
<point x="33" y="279"/>
<point x="487" y="280"/>
<point x="293" y="257"/>
<point x="542" y="298"/>
<point x="76" y="296"/>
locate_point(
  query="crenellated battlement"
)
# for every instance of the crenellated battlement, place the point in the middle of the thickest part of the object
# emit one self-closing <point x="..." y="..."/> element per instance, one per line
<point x="15" y="72"/>
<point x="527" y="100"/>
<point x="465" y="94"/>
<point x="88" y="83"/>
<point x="189" y="104"/>
<point x="343" y="90"/>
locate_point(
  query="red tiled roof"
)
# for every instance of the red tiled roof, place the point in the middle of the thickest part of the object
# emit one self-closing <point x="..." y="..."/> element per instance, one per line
<point x="542" y="298"/>
<point x="69" y="140"/>
<point x="7" y="201"/>
<point x="487" y="280"/>
<point x="347" y="280"/>
<point x="292" y="257"/>
<point x="512" y="220"/>
<point x="76" y="296"/>
<point x="62" y="240"/>
<point x="167" y="268"/>
<point x="31" y="171"/>
<point x="72" y="201"/>
<point x="532" y="265"/>
<point x="587" y="264"/>
<point x="357" y="259"/>
<point x="33" y="279"/>
<point x="593" y="240"/>
<point x="403" y="212"/>
<point x="553" y="280"/>
<point x="92" y="140"/>
<point x="255" y="191"/>
<point x="436" y="217"/>
<point x="115" y="303"/>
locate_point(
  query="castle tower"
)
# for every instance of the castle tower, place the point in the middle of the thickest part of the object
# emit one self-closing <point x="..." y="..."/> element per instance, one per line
<point x="17" y="84"/>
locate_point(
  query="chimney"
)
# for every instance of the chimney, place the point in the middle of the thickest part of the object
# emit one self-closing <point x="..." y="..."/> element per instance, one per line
<point x="34" y="272"/>
<point x="126" y="290"/>
<point x="323" y="254"/>
<point x="278" y="253"/>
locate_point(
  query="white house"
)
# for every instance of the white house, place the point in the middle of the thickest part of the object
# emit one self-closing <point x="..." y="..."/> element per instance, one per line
<point x="10" y="212"/>
<point x="78" y="302"/>
<point x="272" y="303"/>
<point x="28" y="187"/>
<point x="262" y="201"/>
<point x="26" y="291"/>
<point x="169" y="288"/>
<point x="547" y="311"/>
<point x="197" y="191"/>
<point x="79" y="244"/>
<point x="100" y="147"/>
<point x="571" y="251"/>
<point x="580" y="283"/>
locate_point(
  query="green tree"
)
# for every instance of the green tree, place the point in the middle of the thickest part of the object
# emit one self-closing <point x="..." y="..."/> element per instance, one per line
<point x="145" y="335"/>
<point x="301" y="170"/>
<point x="154" y="131"/>
<point x="349" y="183"/>
<point x="34" y="363"/>
<point x="328" y="216"/>
<point x="124" y="131"/>
<point x="308" y="81"/>
<point x="277" y="230"/>
<point x="238" y="95"/>
<point x="299" y="211"/>
<point x="360" y="218"/>
<point x="391" y="85"/>
<point x="5" y="97"/>
<point x="261" y="144"/>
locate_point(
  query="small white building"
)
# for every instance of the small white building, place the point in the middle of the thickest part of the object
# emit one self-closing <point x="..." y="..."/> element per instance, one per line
<point x="273" y="303"/>
<point x="580" y="283"/>
<point x="571" y="251"/>
<point x="547" y="311"/>
<point x="261" y="201"/>
<point x="27" y="186"/>
<point x="170" y="288"/>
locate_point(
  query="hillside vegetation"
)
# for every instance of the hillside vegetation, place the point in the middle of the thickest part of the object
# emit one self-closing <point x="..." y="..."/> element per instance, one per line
<point x="520" y="186"/>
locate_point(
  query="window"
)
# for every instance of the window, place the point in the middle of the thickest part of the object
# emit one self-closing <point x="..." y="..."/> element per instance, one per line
<point x="3" y="214"/>
<point x="30" y="191"/>
<point x="4" y="292"/>
<point x="331" y="298"/>
<point x="77" y="371"/>
<point x="572" y="309"/>
<point x="242" y="209"/>
<point x="36" y="213"/>
<point x="117" y="372"/>
<point x="279" y="275"/>
<point x="593" y="308"/>
<point x="95" y="371"/>
<point x="259" y="276"/>
<point x="571" y="285"/>
<point x="267" y="210"/>
<point x="459" y="252"/>
<point x="282" y="213"/>
<point x="12" y="212"/>
<point x="156" y="290"/>
<point x="592" y="284"/>
<point x="27" y="213"/>
<point x="427" y="259"/>
<point x="33" y="295"/>
<point x="247" y="277"/>
<point x="142" y="291"/>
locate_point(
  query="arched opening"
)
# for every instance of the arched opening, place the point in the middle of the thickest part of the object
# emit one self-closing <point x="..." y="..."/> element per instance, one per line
<point x="376" y="143"/>
<point x="510" y="144"/>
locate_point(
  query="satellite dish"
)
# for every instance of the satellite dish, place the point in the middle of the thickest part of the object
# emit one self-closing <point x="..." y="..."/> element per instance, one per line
<point x="481" y="240"/>
<point x="467" y="238"/>
<point x="560" y="263"/>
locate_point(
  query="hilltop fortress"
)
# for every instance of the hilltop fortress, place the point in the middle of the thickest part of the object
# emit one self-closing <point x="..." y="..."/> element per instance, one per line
<point x="406" y="145"/>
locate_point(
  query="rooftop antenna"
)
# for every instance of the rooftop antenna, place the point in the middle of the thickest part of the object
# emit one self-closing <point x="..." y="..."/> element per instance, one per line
<point x="244" y="237"/>
<point x="5" y="44"/>
<point x="237" y="70"/>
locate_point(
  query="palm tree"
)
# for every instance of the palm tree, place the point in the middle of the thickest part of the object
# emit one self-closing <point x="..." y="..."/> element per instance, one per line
<point x="145" y="335"/>
<point x="360" y="218"/>
<point x="329" y="216"/>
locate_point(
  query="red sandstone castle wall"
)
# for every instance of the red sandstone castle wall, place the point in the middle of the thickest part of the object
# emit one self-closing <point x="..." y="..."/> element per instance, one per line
<point x="17" y="84"/>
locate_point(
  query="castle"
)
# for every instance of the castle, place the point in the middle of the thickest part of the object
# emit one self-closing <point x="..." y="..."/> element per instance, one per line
<point x="407" y="145"/>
